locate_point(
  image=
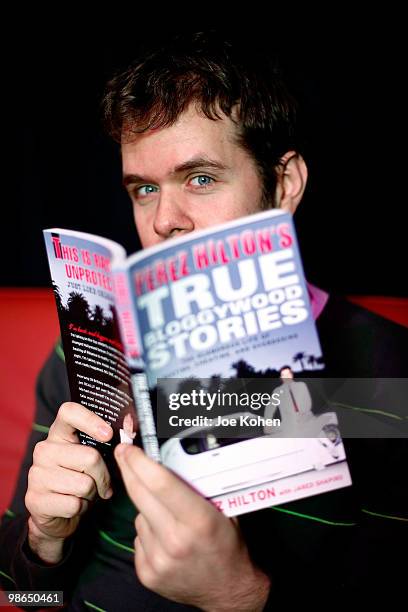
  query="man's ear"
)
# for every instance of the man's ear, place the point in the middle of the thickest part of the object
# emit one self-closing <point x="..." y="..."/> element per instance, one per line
<point x="291" y="181"/>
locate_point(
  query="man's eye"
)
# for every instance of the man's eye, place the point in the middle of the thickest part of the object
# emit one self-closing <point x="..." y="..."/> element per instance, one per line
<point x="145" y="190"/>
<point x="202" y="181"/>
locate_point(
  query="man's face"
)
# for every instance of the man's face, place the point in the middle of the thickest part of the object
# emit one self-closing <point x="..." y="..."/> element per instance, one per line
<point x="188" y="176"/>
<point x="286" y="375"/>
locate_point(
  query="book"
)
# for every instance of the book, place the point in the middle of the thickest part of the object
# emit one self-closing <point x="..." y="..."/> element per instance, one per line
<point x="180" y="348"/>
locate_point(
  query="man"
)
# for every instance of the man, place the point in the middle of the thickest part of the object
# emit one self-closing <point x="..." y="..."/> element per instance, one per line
<point x="295" y="406"/>
<point x="127" y="432"/>
<point x="208" y="133"/>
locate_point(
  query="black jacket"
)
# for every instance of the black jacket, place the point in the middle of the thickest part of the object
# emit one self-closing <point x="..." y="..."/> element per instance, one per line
<point x="333" y="545"/>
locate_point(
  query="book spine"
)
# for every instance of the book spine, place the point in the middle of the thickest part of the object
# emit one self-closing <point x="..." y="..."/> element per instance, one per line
<point x="131" y="342"/>
<point x="145" y="415"/>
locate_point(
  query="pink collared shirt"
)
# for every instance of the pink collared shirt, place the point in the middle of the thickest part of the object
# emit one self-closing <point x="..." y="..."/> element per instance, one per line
<point x="318" y="299"/>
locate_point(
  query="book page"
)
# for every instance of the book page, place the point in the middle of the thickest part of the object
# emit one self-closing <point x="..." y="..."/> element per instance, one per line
<point x="98" y="374"/>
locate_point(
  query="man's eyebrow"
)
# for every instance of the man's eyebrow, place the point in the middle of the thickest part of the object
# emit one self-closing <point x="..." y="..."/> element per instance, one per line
<point x="191" y="164"/>
<point x="199" y="162"/>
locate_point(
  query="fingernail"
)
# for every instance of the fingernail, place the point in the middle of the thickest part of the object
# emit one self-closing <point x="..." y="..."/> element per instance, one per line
<point x="108" y="493"/>
<point x="104" y="430"/>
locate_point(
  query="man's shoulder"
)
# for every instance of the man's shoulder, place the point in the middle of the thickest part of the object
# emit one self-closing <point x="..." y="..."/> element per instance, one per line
<point x="357" y="342"/>
<point x="300" y="384"/>
<point x="52" y="382"/>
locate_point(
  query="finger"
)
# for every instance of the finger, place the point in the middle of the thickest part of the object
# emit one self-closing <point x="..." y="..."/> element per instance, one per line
<point x="154" y="554"/>
<point x="143" y="529"/>
<point x="146" y="536"/>
<point x="180" y="499"/>
<point x="72" y="417"/>
<point x="79" y="458"/>
<point x="143" y="568"/>
<point x="55" y="505"/>
<point x="160" y="520"/>
<point x="69" y="482"/>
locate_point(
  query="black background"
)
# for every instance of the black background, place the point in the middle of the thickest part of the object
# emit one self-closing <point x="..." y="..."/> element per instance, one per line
<point x="60" y="170"/>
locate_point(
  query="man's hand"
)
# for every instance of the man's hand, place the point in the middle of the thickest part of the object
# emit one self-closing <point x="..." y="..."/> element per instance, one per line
<point x="185" y="549"/>
<point x="64" y="478"/>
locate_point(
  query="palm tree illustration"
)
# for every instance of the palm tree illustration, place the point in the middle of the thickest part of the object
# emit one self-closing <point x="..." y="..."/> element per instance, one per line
<point x="299" y="357"/>
<point x="243" y="369"/>
<point x="311" y="360"/>
<point x="58" y="297"/>
<point x="98" y="317"/>
<point x="78" y="309"/>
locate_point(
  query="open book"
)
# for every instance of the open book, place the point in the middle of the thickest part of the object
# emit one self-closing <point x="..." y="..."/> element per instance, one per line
<point x="183" y="343"/>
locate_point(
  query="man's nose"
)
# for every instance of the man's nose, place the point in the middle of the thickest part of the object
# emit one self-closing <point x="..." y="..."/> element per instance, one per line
<point x="171" y="216"/>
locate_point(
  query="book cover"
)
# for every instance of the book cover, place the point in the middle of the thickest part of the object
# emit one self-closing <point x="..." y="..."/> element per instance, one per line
<point x="213" y="314"/>
<point x="98" y="373"/>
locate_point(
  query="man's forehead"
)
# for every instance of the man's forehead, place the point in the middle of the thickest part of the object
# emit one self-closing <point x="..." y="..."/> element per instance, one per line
<point x="192" y="140"/>
<point x="192" y="115"/>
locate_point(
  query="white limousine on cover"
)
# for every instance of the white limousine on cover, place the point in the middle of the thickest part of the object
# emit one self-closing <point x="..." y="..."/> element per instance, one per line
<point x="216" y="465"/>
